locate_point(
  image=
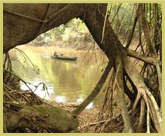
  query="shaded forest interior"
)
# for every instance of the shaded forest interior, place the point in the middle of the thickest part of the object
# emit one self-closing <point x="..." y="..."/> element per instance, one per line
<point x="130" y="36"/>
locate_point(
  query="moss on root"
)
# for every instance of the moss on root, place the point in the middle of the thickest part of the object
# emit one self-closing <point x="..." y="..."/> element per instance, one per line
<point x="49" y="117"/>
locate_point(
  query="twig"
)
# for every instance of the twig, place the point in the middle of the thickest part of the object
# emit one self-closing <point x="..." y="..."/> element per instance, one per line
<point x="20" y="80"/>
<point x="4" y="128"/>
<point x="25" y="16"/>
<point x="116" y="13"/>
<point x="100" y="11"/>
<point x="25" y="56"/>
<point x="8" y="91"/>
<point x="86" y="6"/>
<point x="44" y="87"/>
<point x="103" y="121"/>
<point x="105" y="20"/>
<point x="133" y="29"/>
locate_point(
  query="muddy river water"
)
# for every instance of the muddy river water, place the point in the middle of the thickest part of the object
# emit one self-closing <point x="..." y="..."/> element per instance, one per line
<point x="67" y="81"/>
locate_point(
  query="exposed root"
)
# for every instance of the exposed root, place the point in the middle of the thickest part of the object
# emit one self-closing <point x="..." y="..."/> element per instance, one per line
<point x="142" y="117"/>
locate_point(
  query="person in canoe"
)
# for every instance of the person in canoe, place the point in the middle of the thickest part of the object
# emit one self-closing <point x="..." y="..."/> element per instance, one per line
<point x="55" y="53"/>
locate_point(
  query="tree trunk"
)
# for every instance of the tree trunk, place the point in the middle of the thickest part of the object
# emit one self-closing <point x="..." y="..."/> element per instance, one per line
<point x="94" y="20"/>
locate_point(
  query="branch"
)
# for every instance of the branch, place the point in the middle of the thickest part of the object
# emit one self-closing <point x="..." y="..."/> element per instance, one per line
<point x="139" y="56"/>
<point x="105" y="20"/>
<point x="95" y="92"/>
<point x="116" y="13"/>
<point x="146" y="31"/>
<point x="133" y="28"/>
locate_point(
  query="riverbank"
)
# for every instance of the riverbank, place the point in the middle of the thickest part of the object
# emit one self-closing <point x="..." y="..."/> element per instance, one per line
<point x="83" y="82"/>
<point x="86" y="118"/>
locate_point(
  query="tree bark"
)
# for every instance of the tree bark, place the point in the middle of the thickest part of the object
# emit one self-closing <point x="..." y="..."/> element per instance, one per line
<point x="24" y="22"/>
<point x="112" y="47"/>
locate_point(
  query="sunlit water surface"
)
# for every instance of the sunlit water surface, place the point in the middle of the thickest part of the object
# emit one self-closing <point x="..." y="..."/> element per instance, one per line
<point x="67" y="81"/>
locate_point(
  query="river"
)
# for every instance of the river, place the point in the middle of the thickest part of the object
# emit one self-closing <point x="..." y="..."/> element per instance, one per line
<point x="67" y="81"/>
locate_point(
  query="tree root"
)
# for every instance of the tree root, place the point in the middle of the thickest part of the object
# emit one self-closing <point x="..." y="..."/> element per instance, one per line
<point x="120" y="93"/>
<point x="146" y="94"/>
<point x="142" y="116"/>
<point x="40" y="116"/>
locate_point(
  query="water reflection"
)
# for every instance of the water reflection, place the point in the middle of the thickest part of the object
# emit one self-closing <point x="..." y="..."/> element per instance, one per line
<point x="80" y="100"/>
<point x="90" y="106"/>
<point x="60" y="99"/>
<point x="66" y="80"/>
